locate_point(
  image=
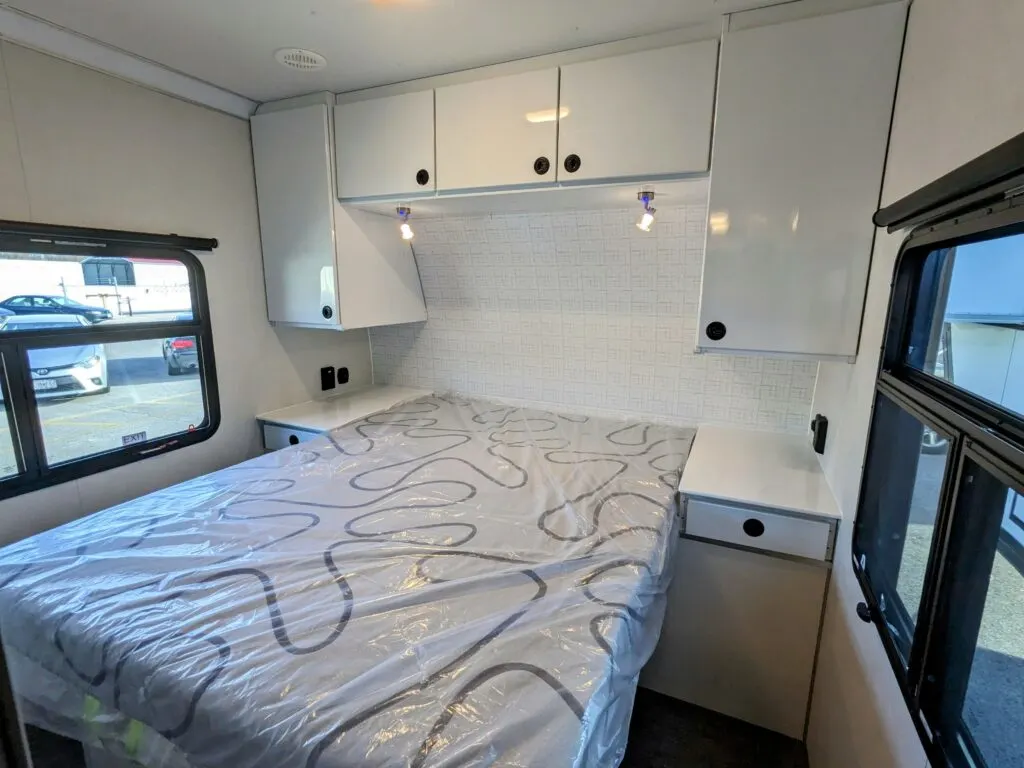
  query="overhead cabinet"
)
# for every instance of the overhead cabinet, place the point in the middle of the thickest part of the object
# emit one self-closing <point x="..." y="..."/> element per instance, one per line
<point x="501" y="132"/>
<point x="802" y="123"/>
<point x="385" y="146"/>
<point x="325" y="265"/>
<point x="632" y="117"/>
<point x="638" y="115"/>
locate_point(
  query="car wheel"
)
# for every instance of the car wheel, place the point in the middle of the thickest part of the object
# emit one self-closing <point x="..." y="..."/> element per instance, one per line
<point x="172" y="369"/>
<point x="932" y="442"/>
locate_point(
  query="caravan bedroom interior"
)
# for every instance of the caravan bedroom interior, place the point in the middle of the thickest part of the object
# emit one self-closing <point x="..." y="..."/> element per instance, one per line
<point x="511" y="383"/>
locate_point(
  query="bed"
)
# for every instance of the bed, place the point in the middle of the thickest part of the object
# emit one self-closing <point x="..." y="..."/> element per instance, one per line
<point x="449" y="582"/>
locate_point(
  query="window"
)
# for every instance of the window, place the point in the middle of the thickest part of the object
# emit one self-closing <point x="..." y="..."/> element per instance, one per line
<point x="107" y="271"/>
<point x="938" y="543"/>
<point x="96" y="375"/>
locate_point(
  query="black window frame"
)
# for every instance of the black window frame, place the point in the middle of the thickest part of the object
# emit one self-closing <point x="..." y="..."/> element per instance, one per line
<point x="15" y="376"/>
<point x="981" y="201"/>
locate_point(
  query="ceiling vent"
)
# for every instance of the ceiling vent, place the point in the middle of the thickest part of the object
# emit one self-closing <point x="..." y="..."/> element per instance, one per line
<point x="300" y="59"/>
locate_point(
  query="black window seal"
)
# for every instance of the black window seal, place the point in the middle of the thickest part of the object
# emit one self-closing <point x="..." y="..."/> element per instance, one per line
<point x="36" y="475"/>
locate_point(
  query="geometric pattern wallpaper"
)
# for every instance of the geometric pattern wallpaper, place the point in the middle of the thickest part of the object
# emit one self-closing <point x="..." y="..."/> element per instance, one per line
<point x="581" y="310"/>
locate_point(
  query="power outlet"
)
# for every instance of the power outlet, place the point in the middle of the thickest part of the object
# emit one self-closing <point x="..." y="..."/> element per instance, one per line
<point x="327" y="378"/>
<point x="343" y="375"/>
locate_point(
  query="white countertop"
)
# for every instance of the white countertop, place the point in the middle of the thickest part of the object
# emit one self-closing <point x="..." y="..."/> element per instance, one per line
<point x="762" y="468"/>
<point x="324" y="415"/>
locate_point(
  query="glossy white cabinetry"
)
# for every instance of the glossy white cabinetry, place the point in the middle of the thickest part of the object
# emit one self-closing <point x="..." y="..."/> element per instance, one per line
<point x="750" y="577"/>
<point x="803" y="117"/>
<point x="385" y="146"/>
<point x="499" y="132"/>
<point x="640" y="114"/>
<point x="324" y="265"/>
<point x="740" y="635"/>
<point x="307" y="421"/>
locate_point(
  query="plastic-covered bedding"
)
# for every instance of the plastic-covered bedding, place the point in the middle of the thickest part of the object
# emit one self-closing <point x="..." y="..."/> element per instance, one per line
<point x="449" y="582"/>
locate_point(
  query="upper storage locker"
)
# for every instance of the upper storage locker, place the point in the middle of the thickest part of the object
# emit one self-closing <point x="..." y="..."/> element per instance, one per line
<point x="638" y="115"/>
<point x="385" y="146"/>
<point x="803" y="118"/>
<point x="323" y="265"/>
<point x="501" y="132"/>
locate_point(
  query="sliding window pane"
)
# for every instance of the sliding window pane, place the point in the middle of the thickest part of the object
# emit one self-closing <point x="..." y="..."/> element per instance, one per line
<point x="968" y="323"/>
<point x="8" y="458"/>
<point x="98" y="289"/>
<point x="981" y="659"/>
<point x="94" y="398"/>
<point x="896" y="525"/>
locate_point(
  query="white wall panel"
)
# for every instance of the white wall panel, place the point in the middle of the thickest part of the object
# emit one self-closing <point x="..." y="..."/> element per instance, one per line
<point x="956" y="99"/>
<point x="582" y="310"/>
<point x="13" y="192"/>
<point x="101" y="152"/>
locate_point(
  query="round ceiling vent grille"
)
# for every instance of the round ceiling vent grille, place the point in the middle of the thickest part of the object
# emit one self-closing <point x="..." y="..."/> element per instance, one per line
<point x="300" y="59"/>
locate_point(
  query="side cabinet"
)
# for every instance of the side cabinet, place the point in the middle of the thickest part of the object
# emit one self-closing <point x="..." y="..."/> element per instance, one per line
<point x="802" y="122"/>
<point x="638" y="115"/>
<point x="324" y="265"/>
<point x="294" y="188"/>
<point x="385" y="146"/>
<point x="501" y="132"/>
<point x="740" y="635"/>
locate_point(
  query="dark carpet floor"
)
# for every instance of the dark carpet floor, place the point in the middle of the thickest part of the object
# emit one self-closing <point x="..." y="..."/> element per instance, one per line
<point x="664" y="733"/>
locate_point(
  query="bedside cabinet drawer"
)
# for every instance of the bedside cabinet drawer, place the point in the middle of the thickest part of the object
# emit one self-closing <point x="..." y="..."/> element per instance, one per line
<point x="275" y="438"/>
<point x="758" y="529"/>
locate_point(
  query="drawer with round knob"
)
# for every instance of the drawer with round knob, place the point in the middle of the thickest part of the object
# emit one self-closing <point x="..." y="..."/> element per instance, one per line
<point x="768" y="531"/>
<point x="277" y="437"/>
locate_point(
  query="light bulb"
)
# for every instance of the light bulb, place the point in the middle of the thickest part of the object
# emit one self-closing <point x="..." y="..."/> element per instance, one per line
<point x="646" y="220"/>
<point x="407" y="233"/>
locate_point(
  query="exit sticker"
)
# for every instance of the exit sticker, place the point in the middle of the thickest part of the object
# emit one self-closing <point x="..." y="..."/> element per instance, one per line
<point x="133" y="439"/>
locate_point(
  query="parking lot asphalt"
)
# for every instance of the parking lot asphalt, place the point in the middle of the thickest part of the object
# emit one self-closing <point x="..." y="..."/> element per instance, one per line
<point x="143" y="397"/>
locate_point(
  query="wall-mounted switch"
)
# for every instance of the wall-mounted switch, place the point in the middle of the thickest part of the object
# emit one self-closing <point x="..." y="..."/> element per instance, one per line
<point x="327" y="378"/>
<point x="819" y="431"/>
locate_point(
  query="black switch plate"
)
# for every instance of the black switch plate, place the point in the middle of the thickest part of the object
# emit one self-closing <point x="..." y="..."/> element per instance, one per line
<point x="343" y="375"/>
<point x="327" y="378"/>
<point x="819" y="431"/>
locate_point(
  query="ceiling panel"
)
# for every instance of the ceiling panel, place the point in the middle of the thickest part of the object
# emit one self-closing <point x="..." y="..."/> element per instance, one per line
<point x="231" y="43"/>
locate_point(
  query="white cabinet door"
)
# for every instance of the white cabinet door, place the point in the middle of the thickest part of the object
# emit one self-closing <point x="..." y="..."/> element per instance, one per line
<point x="501" y="132"/>
<point x="800" y="138"/>
<point x="295" y="192"/>
<point x="642" y="114"/>
<point x="740" y="634"/>
<point x="385" y="146"/>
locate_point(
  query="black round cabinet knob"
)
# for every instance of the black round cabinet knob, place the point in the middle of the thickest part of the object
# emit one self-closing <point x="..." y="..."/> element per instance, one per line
<point x="422" y="177"/>
<point x="753" y="527"/>
<point x="573" y="163"/>
<point x="293" y="439"/>
<point x="541" y="165"/>
<point x="715" y="331"/>
<point x="327" y="312"/>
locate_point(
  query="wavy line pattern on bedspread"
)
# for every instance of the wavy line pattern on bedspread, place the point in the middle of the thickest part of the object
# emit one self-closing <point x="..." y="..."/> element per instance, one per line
<point x="443" y="582"/>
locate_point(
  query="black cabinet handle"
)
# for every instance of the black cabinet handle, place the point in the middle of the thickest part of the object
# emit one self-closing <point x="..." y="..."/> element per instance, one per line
<point x="573" y="163"/>
<point x="422" y="177"/>
<point x="715" y="331"/>
<point x="541" y="165"/>
<point x="293" y="439"/>
<point x="753" y="527"/>
<point x="864" y="613"/>
<point x="327" y="312"/>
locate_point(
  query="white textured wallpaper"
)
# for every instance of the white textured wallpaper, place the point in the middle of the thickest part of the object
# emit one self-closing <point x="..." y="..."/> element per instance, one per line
<point x="582" y="310"/>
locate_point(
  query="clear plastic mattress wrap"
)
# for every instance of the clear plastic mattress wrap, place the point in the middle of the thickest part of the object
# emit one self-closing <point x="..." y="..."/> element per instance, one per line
<point x="450" y="582"/>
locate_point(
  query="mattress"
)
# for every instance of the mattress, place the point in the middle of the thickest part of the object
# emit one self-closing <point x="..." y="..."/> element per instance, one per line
<point x="449" y="582"/>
